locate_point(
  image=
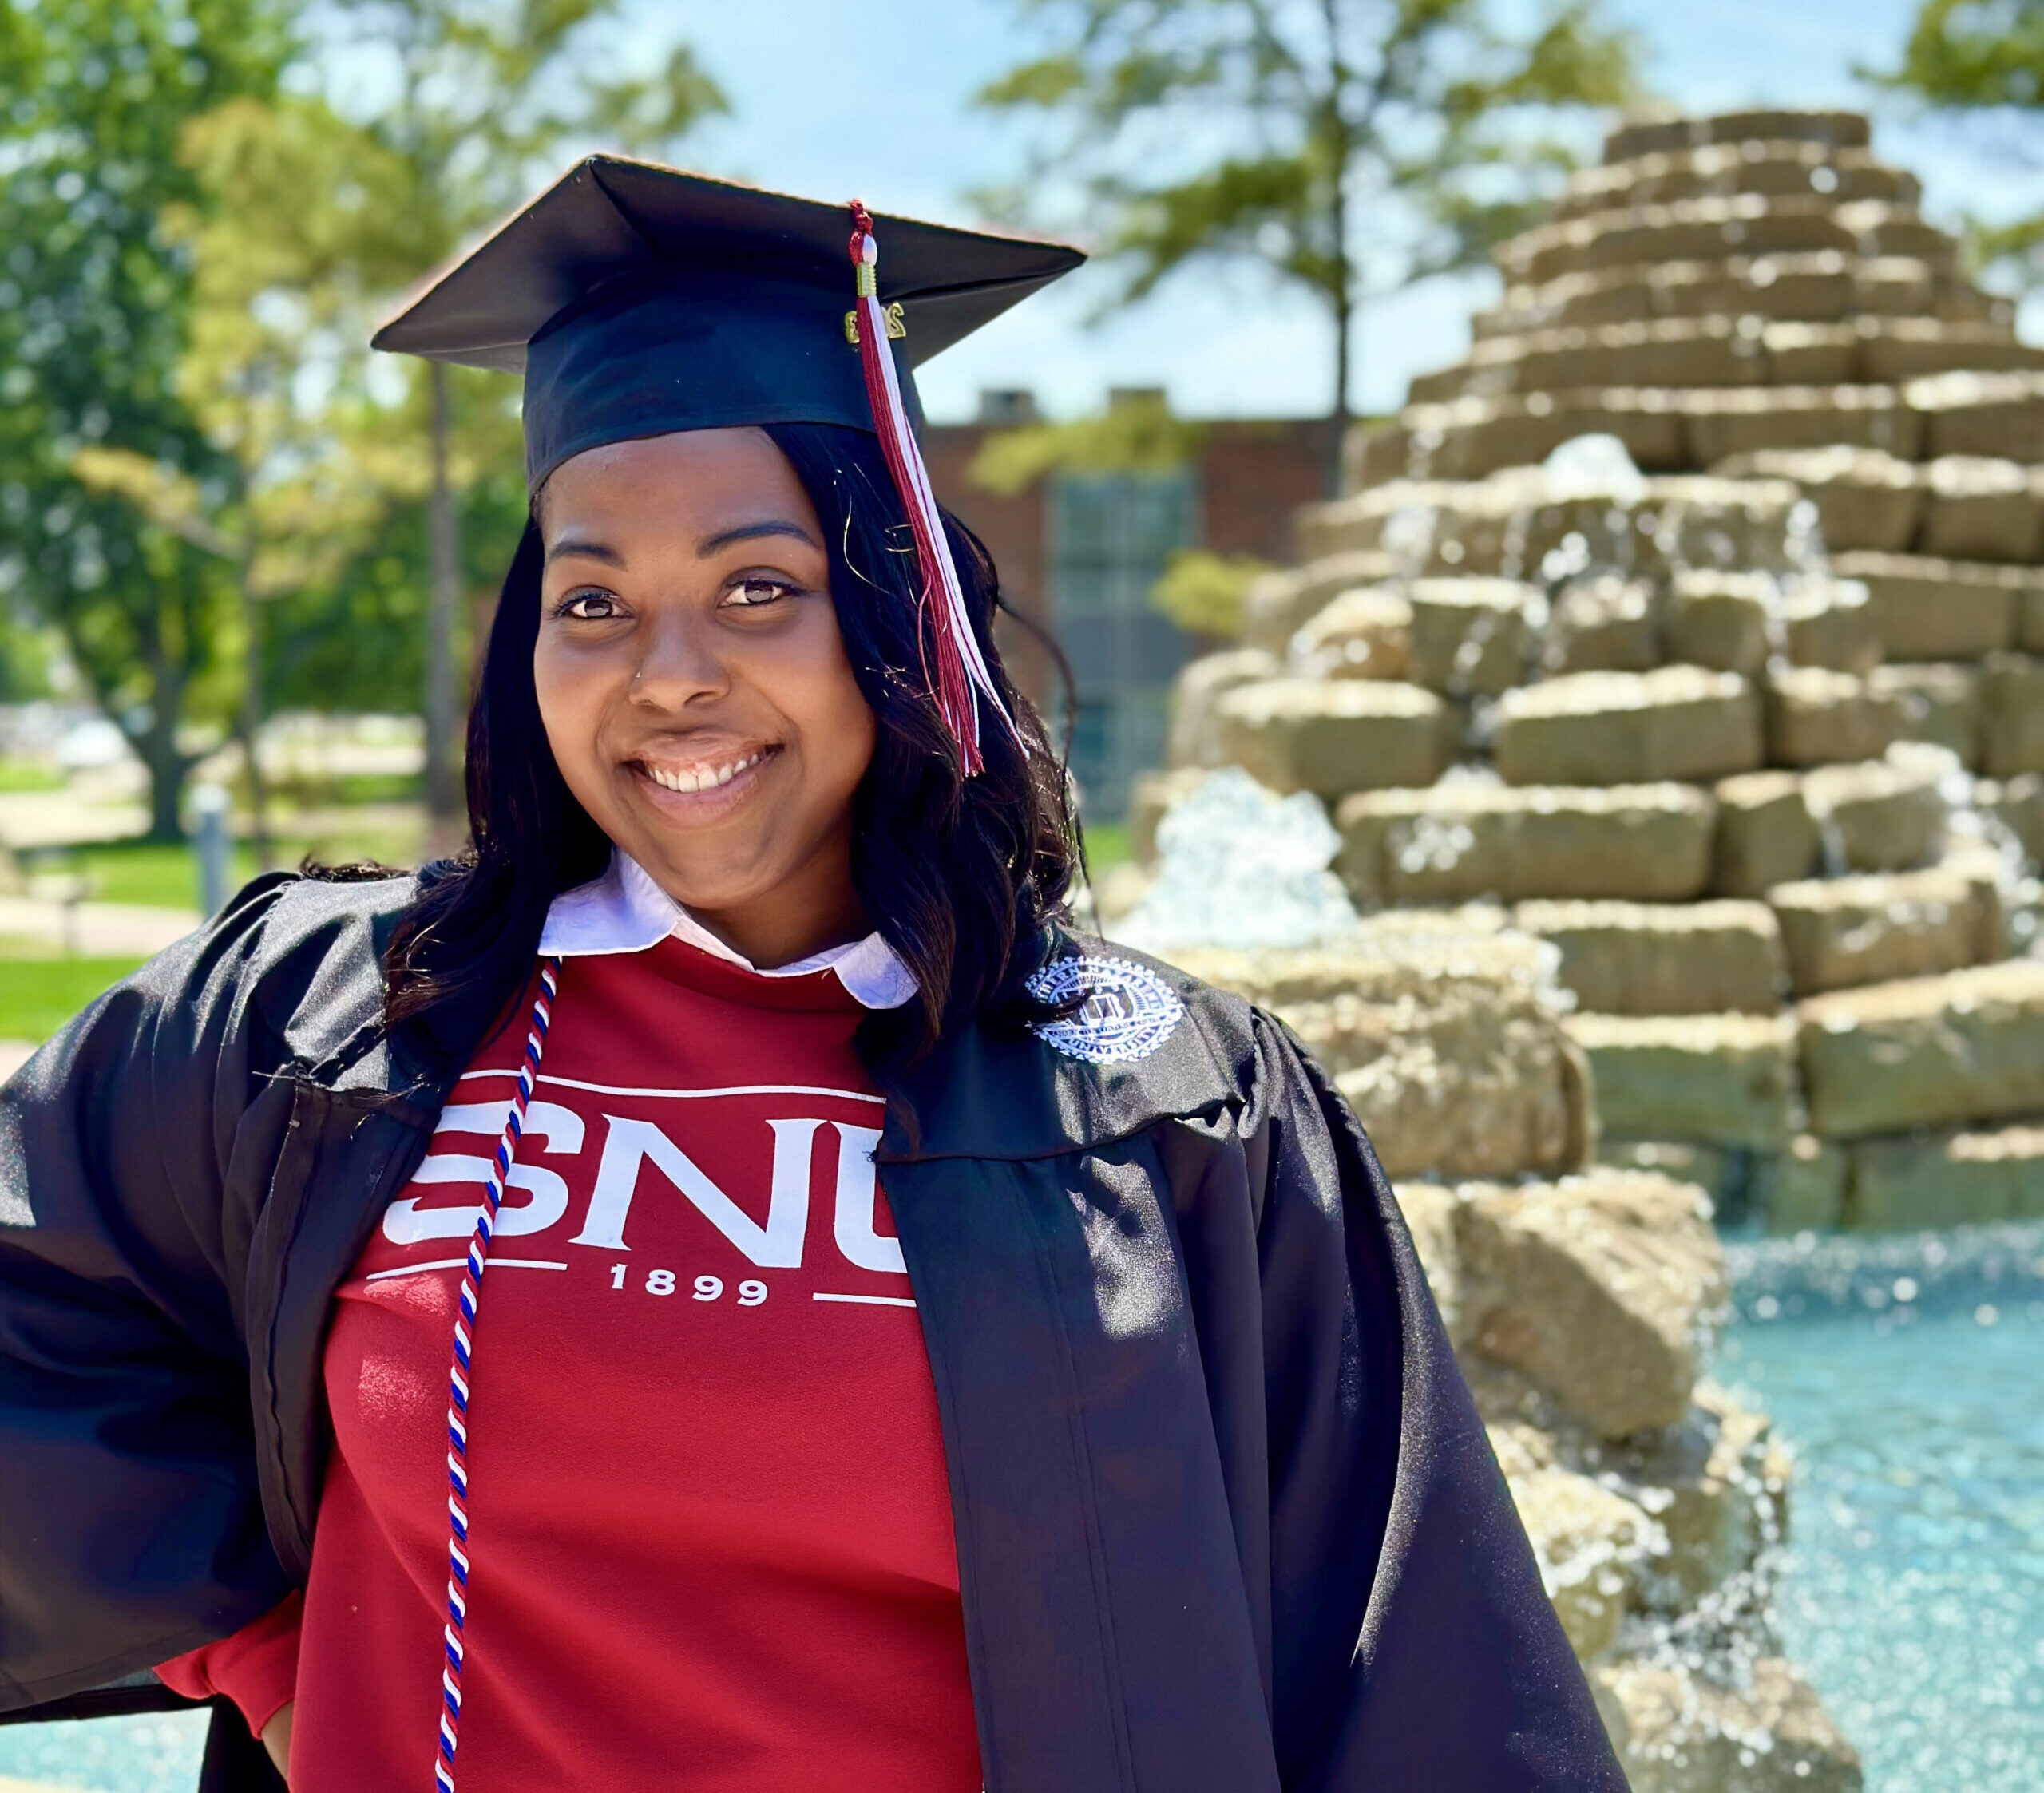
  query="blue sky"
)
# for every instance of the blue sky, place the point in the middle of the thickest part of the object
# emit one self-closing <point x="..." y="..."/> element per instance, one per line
<point x="833" y="98"/>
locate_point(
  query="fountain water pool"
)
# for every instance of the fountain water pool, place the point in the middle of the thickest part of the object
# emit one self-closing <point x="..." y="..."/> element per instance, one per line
<point x="155" y="1754"/>
<point x="1908" y="1374"/>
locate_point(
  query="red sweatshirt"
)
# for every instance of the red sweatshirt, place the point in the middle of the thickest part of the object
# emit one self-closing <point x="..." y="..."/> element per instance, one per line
<point x="710" y="1536"/>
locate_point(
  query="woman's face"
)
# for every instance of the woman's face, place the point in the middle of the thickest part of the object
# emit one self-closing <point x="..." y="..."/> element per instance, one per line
<point x="694" y="685"/>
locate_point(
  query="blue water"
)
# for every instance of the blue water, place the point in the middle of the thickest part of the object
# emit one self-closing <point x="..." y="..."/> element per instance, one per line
<point x="1908" y="1376"/>
<point x="155" y="1754"/>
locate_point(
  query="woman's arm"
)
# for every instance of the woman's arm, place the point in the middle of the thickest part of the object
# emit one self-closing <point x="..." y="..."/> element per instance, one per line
<point x="256" y="1667"/>
<point x="131" y="1528"/>
<point x="276" y="1738"/>
<point x="1413" y="1644"/>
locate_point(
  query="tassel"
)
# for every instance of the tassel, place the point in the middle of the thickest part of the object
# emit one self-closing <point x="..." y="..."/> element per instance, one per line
<point x="953" y="666"/>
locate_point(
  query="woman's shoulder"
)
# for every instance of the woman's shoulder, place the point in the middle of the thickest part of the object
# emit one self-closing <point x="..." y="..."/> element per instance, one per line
<point x="1133" y="1005"/>
<point x="299" y="955"/>
<point x="283" y="917"/>
<point x="1256" y="1059"/>
<point x="313" y="902"/>
<point x="1134" y="1043"/>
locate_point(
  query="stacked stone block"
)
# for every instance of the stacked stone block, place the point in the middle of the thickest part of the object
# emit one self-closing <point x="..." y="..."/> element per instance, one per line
<point x="1579" y="1298"/>
<point x="1752" y="729"/>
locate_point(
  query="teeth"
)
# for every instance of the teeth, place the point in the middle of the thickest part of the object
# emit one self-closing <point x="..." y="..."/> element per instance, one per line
<point x="700" y="778"/>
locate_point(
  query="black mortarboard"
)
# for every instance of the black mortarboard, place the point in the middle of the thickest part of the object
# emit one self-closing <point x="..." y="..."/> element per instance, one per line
<point x="638" y="299"/>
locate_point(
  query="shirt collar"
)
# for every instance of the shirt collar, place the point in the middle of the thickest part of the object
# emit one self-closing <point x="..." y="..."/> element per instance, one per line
<point x="625" y="911"/>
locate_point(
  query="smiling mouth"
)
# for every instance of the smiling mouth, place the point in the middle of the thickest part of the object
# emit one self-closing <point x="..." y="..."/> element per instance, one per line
<point x="690" y="780"/>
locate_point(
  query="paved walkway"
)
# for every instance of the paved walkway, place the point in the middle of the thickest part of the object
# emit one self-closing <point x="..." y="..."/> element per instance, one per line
<point x="95" y="930"/>
<point x="88" y="809"/>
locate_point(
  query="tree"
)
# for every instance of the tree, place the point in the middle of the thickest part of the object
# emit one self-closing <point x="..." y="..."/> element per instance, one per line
<point x="1980" y="63"/>
<point x="94" y="305"/>
<point x="1135" y="434"/>
<point x="1349" y="146"/>
<point x="273" y="309"/>
<point x="485" y="92"/>
<point x="1204" y="593"/>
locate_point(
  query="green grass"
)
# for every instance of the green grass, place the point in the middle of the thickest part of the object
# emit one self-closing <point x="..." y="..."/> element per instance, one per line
<point x="1106" y="845"/>
<point x="162" y="875"/>
<point x="25" y="775"/>
<point x="352" y="788"/>
<point x="38" y="996"/>
<point x="345" y="790"/>
<point x="166" y="876"/>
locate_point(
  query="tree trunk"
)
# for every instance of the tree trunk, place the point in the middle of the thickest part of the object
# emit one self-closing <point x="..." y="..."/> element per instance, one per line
<point x="250" y="718"/>
<point x="443" y="783"/>
<point x="1339" y="418"/>
<point x="1341" y="288"/>
<point x="157" y="745"/>
<point x="166" y="793"/>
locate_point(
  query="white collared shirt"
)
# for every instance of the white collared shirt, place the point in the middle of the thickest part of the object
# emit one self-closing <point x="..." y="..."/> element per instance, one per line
<point x="625" y="911"/>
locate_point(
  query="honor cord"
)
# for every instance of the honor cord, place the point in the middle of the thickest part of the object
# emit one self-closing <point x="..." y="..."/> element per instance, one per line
<point x="458" y="1378"/>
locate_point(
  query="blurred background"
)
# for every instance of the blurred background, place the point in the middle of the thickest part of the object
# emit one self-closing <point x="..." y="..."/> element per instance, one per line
<point x="1545" y="504"/>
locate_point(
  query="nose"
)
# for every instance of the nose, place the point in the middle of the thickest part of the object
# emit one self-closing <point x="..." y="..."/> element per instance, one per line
<point x="678" y="663"/>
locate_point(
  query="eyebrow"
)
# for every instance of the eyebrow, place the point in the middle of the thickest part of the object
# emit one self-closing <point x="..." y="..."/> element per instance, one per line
<point x="752" y="531"/>
<point x="584" y="550"/>
<point x="708" y="546"/>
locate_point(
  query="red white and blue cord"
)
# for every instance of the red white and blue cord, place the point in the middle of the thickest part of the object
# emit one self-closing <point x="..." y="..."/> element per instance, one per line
<point x="960" y="681"/>
<point x="457" y="1377"/>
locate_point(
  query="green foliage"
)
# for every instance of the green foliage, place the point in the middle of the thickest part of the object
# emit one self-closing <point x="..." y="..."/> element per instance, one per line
<point x="205" y="487"/>
<point x="1351" y="147"/>
<point x="487" y="94"/>
<point x="30" y="650"/>
<point x="94" y="305"/>
<point x="1106" y="846"/>
<point x="1135" y="434"/>
<point x="1981" y="63"/>
<point x="485" y="88"/>
<point x="1202" y="593"/>
<point x="355" y="641"/>
<point x="1974" y="53"/>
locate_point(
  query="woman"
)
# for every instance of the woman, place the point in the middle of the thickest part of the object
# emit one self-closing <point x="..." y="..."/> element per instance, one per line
<point x="896" y="1341"/>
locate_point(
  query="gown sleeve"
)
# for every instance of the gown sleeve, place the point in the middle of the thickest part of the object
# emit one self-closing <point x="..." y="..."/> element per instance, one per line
<point x="255" y="1666"/>
<point x="1413" y="1644"/>
<point x="131" y="1527"/>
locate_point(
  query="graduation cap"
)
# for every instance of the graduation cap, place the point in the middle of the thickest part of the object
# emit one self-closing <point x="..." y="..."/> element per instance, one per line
<point x="638" y="300"/>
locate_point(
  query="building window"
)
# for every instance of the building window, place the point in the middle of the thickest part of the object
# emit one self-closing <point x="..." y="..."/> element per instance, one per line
<point x="1110" y="536"/>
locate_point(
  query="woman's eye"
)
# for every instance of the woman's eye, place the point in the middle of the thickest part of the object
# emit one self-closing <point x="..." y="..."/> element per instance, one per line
<point x="749" y="593"/>
<point x="587" y="606"/>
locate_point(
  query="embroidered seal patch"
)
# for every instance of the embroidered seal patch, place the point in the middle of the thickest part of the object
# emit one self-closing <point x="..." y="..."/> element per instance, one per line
<point x="1129" y="1011"/>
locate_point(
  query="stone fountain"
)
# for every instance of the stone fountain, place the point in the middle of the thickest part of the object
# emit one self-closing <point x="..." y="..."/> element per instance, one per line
<point x="1668" y="687"/>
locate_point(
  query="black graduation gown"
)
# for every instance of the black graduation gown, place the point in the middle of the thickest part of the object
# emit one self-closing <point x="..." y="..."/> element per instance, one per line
<point x="1226" y="1515"/>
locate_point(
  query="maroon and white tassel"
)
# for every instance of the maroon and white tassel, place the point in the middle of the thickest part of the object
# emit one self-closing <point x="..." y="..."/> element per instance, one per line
<point x="952" y="664"/>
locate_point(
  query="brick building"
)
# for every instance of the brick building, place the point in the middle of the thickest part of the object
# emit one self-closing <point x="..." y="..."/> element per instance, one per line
<point x="1079" y="551"/>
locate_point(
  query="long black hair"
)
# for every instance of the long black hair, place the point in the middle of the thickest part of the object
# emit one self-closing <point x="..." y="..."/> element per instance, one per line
<point x="960" y="876"/>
